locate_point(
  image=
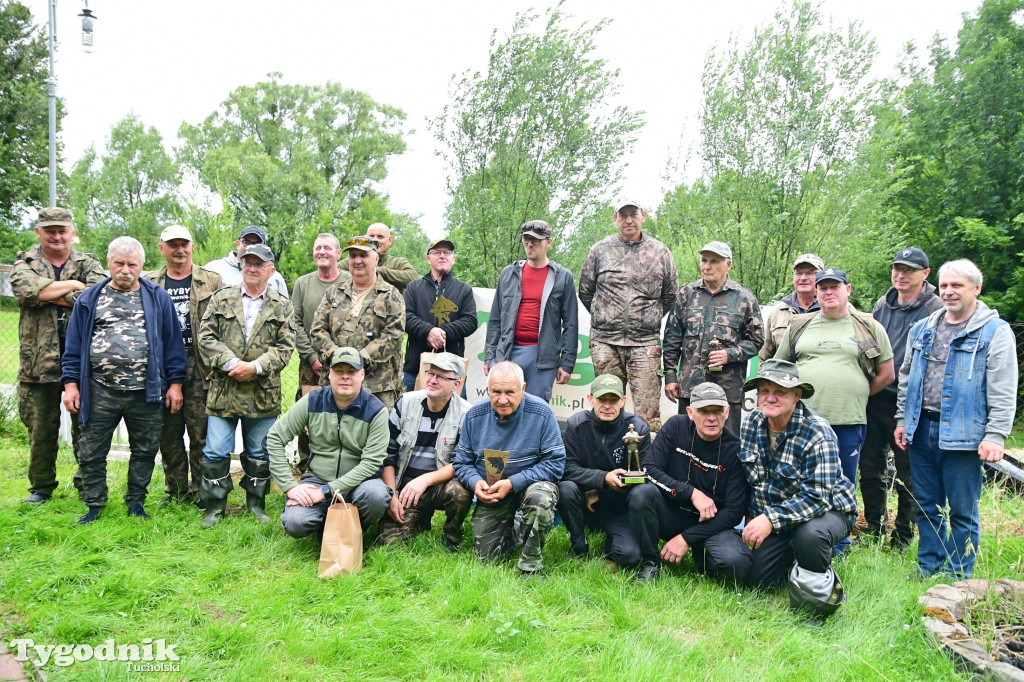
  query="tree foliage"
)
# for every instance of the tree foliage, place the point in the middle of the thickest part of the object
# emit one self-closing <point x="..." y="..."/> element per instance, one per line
<point x="784" y="141"/>
<point x="24" y="113"/>
<point x="961" y="151"/>
<point x="535" y="136"/>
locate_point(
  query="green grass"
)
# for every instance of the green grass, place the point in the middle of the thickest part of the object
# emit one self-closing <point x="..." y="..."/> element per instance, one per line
<point x="242" y="601"/>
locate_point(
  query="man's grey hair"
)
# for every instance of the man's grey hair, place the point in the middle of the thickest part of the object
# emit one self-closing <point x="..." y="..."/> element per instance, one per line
<point x="507" y="368"/>
<point x="328" y="235"/>
<point x="962" y="267"/>
<point x="126" y="246"/>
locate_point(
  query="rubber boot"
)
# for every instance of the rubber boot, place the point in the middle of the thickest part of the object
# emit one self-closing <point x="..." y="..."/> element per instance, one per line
<point x="256" y="483"/>
<point x="214" y="489"/>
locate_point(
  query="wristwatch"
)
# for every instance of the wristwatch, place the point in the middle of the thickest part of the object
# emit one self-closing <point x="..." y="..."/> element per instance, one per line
<point x="326" y="490"/>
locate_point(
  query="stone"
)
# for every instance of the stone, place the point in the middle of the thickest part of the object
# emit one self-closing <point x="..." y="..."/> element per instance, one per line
<point x="969" y="654"/>
<point x="1015" y="587"/>
<point x="943" y="609"/>
<point x="948" y="592"/>
<point x="980" y="587"/>
<point x="944" y="630"/>
<point x="1004" y="672"/>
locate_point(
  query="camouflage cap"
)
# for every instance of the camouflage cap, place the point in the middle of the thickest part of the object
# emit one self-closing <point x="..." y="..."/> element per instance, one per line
<point x="721" y="248"/>
<point x="780" y="372"/>
<point x="706" y="394"/>
<point x="536" y="228"/>
<point x="362" y="243"/>
<point x="605" y="384"/>
<point x="261" y="251"/>
<point x="255" y="230"/>
<point x="441" y="242"/>
<point x="347" y="355"/>
<point x="54" y="215"/>
<point x="449" y="362"/>
<point x="810" y="259"/>
<point x="175" y="232"/>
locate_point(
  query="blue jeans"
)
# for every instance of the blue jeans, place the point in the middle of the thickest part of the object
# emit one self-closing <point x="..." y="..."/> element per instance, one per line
<point x="220" y="437"/>
<point x="538" y="381"/>
<point x="944" y="477"/>
<point x="850" y="438"/>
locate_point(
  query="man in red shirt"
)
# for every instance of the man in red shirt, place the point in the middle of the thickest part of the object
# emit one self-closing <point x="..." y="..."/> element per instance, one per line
<point x="533" y="316"/>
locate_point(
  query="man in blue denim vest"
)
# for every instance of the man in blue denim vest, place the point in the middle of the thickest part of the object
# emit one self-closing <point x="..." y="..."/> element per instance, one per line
<point x="956" y="402"/>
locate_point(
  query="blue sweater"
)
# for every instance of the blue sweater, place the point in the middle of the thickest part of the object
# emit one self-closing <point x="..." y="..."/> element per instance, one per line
<point x="531" y="437"/>
<point x="167" y="362"/>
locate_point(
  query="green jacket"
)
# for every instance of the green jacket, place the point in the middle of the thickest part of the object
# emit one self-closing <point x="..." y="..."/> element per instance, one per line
<point x="204" y="284"/>
<point x="222" y="337"/>
<point x="376" y="332"/>
<point x="346" y="447"/>
<point x="39" y="320"/>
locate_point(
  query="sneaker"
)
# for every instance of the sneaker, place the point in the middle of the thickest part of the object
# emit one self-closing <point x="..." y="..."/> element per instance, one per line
<point x="90" y="516"/>
<point x="648" y="572"/>
<point x="36" y="498"/>
<point x="135" y="509"/>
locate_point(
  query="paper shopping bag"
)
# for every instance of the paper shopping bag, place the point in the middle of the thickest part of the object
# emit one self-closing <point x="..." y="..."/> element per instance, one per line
<point x="342" y="548"/>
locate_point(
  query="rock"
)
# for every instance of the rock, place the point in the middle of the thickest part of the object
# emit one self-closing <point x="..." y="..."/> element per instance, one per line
<point x="1004" y="672"/>
<point x="969" y="654"/>
<point x="943" y="609"/>
<point x="980" y="587"/>
<point x="943" y="630"/>
<point x="1015" y="587"/>
<point x="948" y="592"/>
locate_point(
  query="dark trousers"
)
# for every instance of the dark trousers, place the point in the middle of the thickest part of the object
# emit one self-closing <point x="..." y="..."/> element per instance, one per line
<point x="613" y="514"/>
<point x="735" y="414"/>
<point x="107" y="409"/>
<point x="874" y="467"/>
<point x="809" y="544"/>
<point x="657" y="518"/>
<point x="39" y="409"/>
<point x="178" y="465"/>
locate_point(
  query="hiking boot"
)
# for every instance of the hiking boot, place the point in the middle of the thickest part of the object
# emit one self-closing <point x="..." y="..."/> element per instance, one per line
<point x="90" y="516"/>
<point x="135" y="509"/>
<point x="36" y="498"/>
<point x="648" y="572"/>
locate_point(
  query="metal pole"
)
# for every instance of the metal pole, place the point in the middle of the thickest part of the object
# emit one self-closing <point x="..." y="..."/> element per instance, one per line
<point x="53" y="107"/>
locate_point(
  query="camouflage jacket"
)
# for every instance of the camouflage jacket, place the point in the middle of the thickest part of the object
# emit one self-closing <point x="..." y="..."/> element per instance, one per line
<point x="222" y="337"/>
<point x="204" y="284"/>
<point x="731" y="315"/>
<point x="376" y="332"/>
<point x="38" y="322"/>
<point x="628" y="287"/>
<point x="396" y="271"/>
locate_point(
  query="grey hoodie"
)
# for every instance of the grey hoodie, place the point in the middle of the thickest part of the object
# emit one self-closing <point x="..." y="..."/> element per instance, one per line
<point x="897" y="320"/>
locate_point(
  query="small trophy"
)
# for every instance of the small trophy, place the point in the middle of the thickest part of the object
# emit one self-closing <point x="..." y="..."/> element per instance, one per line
<point x="714" y="345"/>
<point x="635" y="474"/>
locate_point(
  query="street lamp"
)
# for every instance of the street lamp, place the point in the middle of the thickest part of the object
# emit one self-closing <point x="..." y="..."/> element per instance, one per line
<point x="88" y="19"/>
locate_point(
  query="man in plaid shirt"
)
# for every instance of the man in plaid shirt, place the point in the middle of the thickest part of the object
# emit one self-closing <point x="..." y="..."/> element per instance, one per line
<point x="801" y="503"/>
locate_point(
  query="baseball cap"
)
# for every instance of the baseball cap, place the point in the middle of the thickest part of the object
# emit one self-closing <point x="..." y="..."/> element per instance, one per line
<point x="623" y="202"/>
<point x="605" y="384"/>
<point x="706" y="394"/>
<point x="914" y="257"/>
<point x="54" y="215"/>
<point x="261" y="251"/>
<point x="449" y="362"/>
<point x="721" y="248"/>
<point x="347" y="355"/>
<point x="537" y="228"/>
<point x="175" y="232"/>
<point x="253" y="229"/>
<point x="781" y="372"/>
<point x="810" y="259"/>
<point x="362" y="243"/>
<point x="831" y="274"/>
<point x="441" y="242"/>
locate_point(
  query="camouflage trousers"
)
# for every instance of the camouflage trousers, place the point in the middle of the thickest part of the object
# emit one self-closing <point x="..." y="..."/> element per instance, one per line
<point x="452" y="497"/>
<point x="498" y="530"/>
<point x="389" y="398"/>
<point x="191" y="417"/>
<point x="641" y="367"/>
<point x="39" y="409"/>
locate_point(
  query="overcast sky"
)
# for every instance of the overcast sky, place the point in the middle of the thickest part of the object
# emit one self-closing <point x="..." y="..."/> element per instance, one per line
<point x="174" y="62"/>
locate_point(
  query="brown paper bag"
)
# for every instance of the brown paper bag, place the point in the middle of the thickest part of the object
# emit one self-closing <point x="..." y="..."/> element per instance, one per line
<point x="421" y="377"/>
<point x="342" y="548"/>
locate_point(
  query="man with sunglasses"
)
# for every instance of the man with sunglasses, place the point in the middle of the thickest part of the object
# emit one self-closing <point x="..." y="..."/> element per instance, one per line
<point x="365" y="313"/>
<point x="230" y="266"/>
<point x="396" y="271"/>
<point x="440" y="311"/>
<point x="533" y="316"/>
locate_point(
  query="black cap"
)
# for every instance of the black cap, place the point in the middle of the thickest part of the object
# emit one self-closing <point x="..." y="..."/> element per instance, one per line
<point x="911" y="256"/>
<point x="253" y="229"/>
<point x="834" y="274"/>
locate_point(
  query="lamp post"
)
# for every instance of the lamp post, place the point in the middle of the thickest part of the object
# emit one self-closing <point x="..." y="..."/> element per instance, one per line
<point x="87" y="28"/>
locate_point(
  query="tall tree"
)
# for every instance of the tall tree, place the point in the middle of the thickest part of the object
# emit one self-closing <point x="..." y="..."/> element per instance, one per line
<point x="962" y="151"/>
<point x="535" y="136"/>
<point x="131" y="189"/>
<point x="293" y="158"/>
<point x="784" y="125"/>
<point x="24" y="118"/>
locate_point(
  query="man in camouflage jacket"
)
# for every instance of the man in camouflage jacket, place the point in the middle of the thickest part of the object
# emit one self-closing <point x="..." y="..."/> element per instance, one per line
<point x="191" y="287"/>
<point x="367" y="314"/>
<point x="47" y="280"/>
<point x="246" y="337"/>
<point x="628" y="284"/>
<point x="715" y="308"/>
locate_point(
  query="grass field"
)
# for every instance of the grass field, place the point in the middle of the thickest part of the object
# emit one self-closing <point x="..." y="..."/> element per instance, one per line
<point x="242" y="601"/>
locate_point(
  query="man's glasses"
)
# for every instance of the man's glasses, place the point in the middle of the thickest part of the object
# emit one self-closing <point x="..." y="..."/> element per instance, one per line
<point x="531" y="240"/>
<point x="440" y="252"/>
<point x="254" y="266"/>
<point x="437" y="376"/>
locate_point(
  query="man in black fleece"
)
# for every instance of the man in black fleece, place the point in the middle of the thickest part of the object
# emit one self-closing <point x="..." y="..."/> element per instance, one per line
<point x="591" y="492"/>
<point x="698" y="491"/>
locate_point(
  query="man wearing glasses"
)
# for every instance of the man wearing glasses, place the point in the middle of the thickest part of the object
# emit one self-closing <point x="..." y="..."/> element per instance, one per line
<point x="533" y="316"/>
<point x="365" y="313"/>
<point x="246" y="337"/>
<point x="230" y="266"/>
<point x="804" y="299"/>
<point x="440" y="311"/>
<point x="396" y="271"/>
